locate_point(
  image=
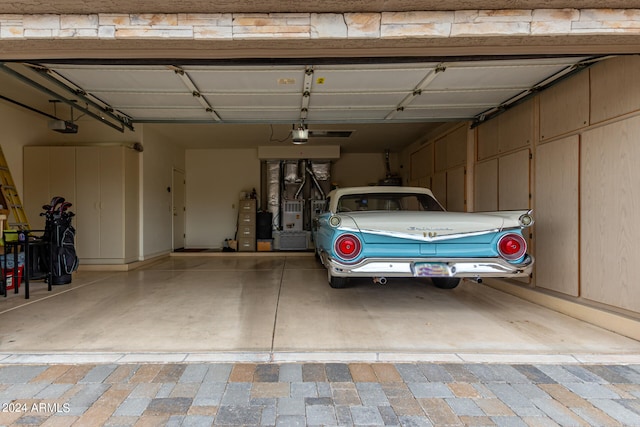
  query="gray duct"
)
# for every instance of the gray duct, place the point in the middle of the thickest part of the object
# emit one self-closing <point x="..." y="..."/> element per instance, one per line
<point x="322" y="170"/>
<point x="316" y="183"/>
<point x="304" y="180"/>
<point x="273" y="192"/>
<point x="291" y="174"/>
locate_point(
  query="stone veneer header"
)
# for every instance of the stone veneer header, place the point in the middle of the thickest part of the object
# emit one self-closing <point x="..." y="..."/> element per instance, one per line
<point x="385" y="25"/>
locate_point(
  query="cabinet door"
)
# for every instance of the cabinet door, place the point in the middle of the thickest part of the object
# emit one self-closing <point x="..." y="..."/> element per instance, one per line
<point x="513" y="181"/>
<point x="456" y="190"/>
<point x="48" y="172"/>
<point x="486" y="187"/>
<point x="112" y="192"/>
<point x="36" y="184"/>
<point x="62" y="173"/>
<point x="88" y="202"/>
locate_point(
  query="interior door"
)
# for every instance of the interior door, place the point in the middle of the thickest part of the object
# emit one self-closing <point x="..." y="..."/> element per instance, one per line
<point x="178" y="203"/>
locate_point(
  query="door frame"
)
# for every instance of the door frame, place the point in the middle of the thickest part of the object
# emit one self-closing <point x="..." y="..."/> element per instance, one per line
<point x="178" y="204"/>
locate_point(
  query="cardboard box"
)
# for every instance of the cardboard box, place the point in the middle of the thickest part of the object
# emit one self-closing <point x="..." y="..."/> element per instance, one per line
<point x="265" y="245"/>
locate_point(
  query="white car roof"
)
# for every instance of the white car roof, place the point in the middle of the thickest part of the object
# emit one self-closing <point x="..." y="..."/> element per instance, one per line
<point x="378" y="189"/>
<point x="335" y="195"/>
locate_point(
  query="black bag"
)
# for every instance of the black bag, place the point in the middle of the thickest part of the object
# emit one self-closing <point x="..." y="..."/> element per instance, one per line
<point x="65" y="260"/>
<point x="60" y="235"/>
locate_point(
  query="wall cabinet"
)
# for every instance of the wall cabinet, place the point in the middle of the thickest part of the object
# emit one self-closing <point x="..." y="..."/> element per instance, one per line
<point x="507" y="132"/>
<point x="48" y="172"/>
<point x="102" y="182"/>
<point x="557" y="214"/>
<point x="564" y="107"/>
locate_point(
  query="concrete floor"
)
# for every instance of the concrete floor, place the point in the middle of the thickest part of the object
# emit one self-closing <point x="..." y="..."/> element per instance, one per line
<point x="280" y="308"/>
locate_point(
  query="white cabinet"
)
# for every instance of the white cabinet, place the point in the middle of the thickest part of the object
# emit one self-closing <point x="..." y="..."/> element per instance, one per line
<point x="48" y="172"/>
<point x="105" y="186"/>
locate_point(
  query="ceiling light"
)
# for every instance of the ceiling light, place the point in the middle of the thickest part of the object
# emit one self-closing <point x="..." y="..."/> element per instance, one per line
<point x="300" y="135"/>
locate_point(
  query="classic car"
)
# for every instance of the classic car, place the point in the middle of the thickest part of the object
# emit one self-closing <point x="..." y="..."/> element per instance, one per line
<point x="391" y="231"/>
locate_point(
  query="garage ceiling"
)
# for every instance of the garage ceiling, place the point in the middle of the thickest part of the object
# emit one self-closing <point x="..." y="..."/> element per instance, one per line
<point x="414" y="96"/>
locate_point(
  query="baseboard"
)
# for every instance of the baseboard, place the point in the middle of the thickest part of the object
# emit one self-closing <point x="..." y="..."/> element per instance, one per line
<point x="242" y="254"/>
<point x="609" y="320"/>
<point x="121" y="267"/>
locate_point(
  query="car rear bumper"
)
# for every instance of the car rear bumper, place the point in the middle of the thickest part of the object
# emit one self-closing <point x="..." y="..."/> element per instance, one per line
<point x="431" y="267"/>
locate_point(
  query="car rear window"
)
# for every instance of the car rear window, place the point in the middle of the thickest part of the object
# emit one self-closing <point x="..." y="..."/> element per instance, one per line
<point x="388" y="202"/>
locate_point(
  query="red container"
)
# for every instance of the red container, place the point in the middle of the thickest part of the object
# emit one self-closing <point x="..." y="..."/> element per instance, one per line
<point x="8" y="277"/>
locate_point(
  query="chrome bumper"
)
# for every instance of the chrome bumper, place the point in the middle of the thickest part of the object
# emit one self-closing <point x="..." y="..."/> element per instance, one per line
<point x="415" y="267"/>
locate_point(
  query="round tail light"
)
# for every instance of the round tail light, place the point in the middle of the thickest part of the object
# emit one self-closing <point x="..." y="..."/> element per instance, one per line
<point x="347" y="246"/>
<point x="512" y="246"/>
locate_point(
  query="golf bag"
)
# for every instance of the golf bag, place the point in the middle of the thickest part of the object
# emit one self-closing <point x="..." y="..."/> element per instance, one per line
<point x="62" y="259"/>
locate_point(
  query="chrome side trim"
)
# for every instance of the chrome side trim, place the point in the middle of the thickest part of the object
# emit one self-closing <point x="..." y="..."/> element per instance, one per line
<point x="405" y="267"/>
<point x="423" y="238"/>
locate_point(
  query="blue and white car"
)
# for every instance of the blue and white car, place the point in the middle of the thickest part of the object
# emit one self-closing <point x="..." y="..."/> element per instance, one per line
<point x="386" y="231"/>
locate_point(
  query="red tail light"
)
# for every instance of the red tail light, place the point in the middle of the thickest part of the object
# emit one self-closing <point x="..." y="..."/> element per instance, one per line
<point x="512" y="246"/>
<point x="347" y="246"/>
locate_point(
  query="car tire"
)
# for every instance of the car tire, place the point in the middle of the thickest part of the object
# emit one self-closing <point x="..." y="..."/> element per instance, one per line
<point x="337" y="282"/>
<point x="445" y="282"/>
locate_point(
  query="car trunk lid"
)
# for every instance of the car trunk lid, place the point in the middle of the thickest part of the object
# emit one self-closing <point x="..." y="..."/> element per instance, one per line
<point x="379" y="226"/>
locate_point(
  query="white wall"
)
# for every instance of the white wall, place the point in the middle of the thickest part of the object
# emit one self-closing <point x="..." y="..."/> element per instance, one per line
<point x="358" y="169"/>
<point x="159" y="159"/>
<point x="18" y="129"/>
<point x="215" y="179"/>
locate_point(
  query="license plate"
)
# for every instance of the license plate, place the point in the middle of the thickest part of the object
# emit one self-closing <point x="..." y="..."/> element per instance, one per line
<point x="430" y="269"/>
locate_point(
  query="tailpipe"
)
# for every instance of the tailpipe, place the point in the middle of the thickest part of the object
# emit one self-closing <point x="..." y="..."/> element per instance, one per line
<point x="380" y="280"/>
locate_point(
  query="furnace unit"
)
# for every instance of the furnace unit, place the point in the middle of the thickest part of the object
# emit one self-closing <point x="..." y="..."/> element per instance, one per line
<point x="292" y="215"/>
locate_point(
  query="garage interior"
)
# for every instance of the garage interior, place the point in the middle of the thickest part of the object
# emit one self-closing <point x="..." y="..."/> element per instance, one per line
<point x="555" y="133"/>
<point x="349" y="110"/>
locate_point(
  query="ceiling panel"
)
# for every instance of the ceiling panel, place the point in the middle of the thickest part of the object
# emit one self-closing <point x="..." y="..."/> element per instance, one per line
<point x="168" y="114"/>
<point x="372" y="79"/>
<point x="356" y="115"/>
<point x="459" y="97"/>
<point x="265" y="115"/>
<point x="251" y="80"/>
<point x="414" y="95"/>
<point x="126" y="100"/>
<point x="439" y="113"/>
<point x="120" y="78"/>
<point x="342" y="100"/>
<point x="308" y="92"/>
<point x="249" y="101"/>
<point x="509" y="74"/>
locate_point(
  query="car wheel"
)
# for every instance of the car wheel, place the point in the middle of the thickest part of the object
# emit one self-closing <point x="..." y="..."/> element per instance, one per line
<point x="445" y="282"/>
<point x="336" y="282"/>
